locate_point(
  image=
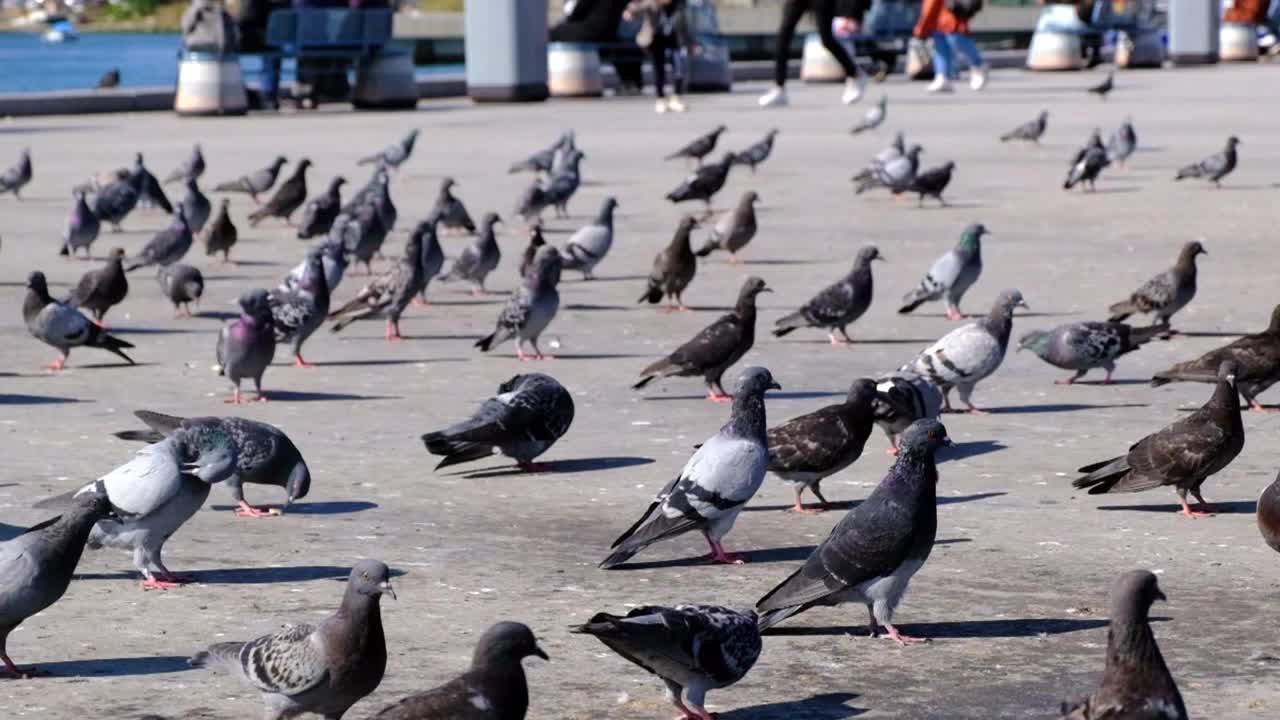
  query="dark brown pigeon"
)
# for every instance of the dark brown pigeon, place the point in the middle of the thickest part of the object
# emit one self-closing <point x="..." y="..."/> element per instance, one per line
<point x="1269" y="514"/>
<point x="99" y="290"/>
<point x="1257" y="359"/>
<point x="700" y="147"/>
<point x="290" y="196"/>
<point x="673" y="268"/>
<point x="1166" y="293"/>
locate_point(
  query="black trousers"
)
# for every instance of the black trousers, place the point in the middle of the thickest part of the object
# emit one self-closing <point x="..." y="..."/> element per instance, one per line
<point x="658" y="57"/>
<point x="823" y="14"/>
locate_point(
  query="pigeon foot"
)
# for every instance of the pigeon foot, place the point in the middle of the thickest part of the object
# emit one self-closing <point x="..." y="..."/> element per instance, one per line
<point x="901" y="639"/>
<point x="247" y="510"/>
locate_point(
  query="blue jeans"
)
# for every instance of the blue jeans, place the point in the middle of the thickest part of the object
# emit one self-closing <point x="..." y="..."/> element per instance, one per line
<point x="944" y="63"/>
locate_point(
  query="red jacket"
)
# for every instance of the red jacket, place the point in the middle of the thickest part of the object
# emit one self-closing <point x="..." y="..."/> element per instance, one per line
<point x="935" y="17"/>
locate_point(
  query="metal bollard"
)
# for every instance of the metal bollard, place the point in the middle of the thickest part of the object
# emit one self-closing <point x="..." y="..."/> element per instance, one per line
<point x="1193" y="31"/>
<point x="506" y="50"/>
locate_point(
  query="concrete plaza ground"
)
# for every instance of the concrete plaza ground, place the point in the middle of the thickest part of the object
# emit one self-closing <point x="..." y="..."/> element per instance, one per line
<point x="1014" y="595"/>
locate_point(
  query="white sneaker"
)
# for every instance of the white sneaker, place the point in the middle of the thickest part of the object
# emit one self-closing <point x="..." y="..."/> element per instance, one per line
<point x="978" y="77"/>
<point x="675" y="105"/>
<point x="853" y="88"/>
<point x="660" y="106"/>
<point x="940" y="84"/>
<point x="776" y="97"/>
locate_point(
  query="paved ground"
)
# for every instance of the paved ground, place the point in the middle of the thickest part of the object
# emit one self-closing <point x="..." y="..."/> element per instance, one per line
<point x="1014" y="595"/>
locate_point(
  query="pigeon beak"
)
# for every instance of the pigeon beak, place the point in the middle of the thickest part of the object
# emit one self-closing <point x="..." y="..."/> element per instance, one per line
<point x="1160" y="596"/>
<point x="766" y="289"/>
<point x="1023" y="304"/>
<point x="386" y="589"/>
<point x="946" y="441"/>
<point x="537" y="651"/>
<point x="774" y="386"/>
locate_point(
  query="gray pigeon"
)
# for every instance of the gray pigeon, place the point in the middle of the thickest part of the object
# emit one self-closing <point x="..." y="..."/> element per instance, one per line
<point x="873" y="118"/>
<point x="902" y="400"/>
<point x="527" y="416"/>
<point x="700" y="147"/>
<point x="333" y="258"/>
<point x="895" y="150"/>
<point x="1083" y="346"/>
<point x="555" y="191"/>
<point x="896" y="173"/>
<point x="967" y="355"/>
<point x="691" y="648"/>
<point x="1166" y="293"/>
<point x="734" y="229"/>
<point x="362" y="232"/>
<point x="247" y="345"/>
<point x="196" y="207"/>
<point x="449" y="211"/>
<point x="299" y="313"/>
<point x="757" y="152"/>
<point x="264" y="454"/>
<point x="322" y="669"/>
<point x="1215" y="167"/>
<point x="673" y="269"/>
<point x="432" y="256"/>
<point x="393" y="156"/>
<point x="150" y="192"/>
<point x="255" y="183"/>
<point x="190" y="169"/>
<point x="716" y="483"/>
<point x="290" y="196"/>
<point x="494" y="688"/>
<point x="805" y="450"/>
<point x="1136" y="684"/>
<point x="1123" y="143"/>
<point x="220" y="235"/>
<point x="838" y="304"/>
<point x="715" y="348"/>
<point x="82" y="228"/>
<point x="542" y="160"/>
<point x="319" y="213"/>
<point x="100" y="290"/>
<point x="1257" y="359"/>
<point x="590" y="243"/>
<point x="115" y="200"/>
<point x="1029" y="131"/>
<point x="530" y="309"/>
<point x="875" y="549"/>
<point x="36" y="567"/>
<point x="183" y="285"/>
<point x="167" y="246"/>
<point x="155" y="494"/>
<point x="952" y="274"/>
<point x="17" y="175"/>
<point x="1183" y="454"/>
<point x="61" y="326"/>
<point x="391" y="292"/>
<point x="479" y="258"/>
<point x="1104" y="87"/>
<point x="536" y="241"/>
<point x="704" y="183"/>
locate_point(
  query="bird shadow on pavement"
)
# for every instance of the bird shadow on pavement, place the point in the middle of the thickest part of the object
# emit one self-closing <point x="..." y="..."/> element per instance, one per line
<point x="1220" y="334"/>
<point x="300" y="396"/>
<point x="8" y="399"/>
<point x="589" y="307"/>
<point x="386" y="361"/>
<point x="827" y="706"/>
<point x="1099" y="383"/>
<point x="9" y="532"/>
<point x="248" y="575"/>
<point x="110" y="365"/>
<point x="155" y="330"/>
<point x="753" y="557"/>
<point x="588" y="283"/>
<point x="776" y="261"/>
<point x="954" y="499"/>
<point x="598" y="356"/>
<point x="1059" y="407"/>
<point x="217" y="315"/>
<point x="1235" y="507"/>
<point x="961" y="451"/>
<point x="334" y="507"/>
<point x="860" y="341"/>
<point x="559" y="467"/>
<point x="256" y="263"/>
<point x="1010" y="628"/>
<point x="114" y="667"/>
<point x="1112" y="190"/>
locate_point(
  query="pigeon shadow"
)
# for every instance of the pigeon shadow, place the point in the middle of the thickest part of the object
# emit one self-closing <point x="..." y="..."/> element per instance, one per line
<point x="777" y="261"/>
<point x="8" y="532"/>
<point x="952" y="541"/>
<point x="598" y="356"/>
<point x="792" y="554"/>
<point x="1124" y="190"/>
<point x="803" y="395"/>
<point x="8" y="399"/>
<point x="954" y="499"/>
<point x="218" y="314"/>
<point x="385" y="361"/>
<point x="596" y="279"/>
<point x="1058" y="407"/>
<point x="1186" y="333"/>
<point x="557" y="467"/>
<point x="589" y="308"/>
<point x="154" y="330"/>
<point x="836" y="506"/>
<point x="256" y="263"/>
<point x="961" y="451"/>
<point x="1236" y="507"/>
<point x="827" y="706"/>
<point x="1021" y="627"/>
<point x="336" y="507"/>
<point x="300" y="396"/>
<point x="1129" y="381"/>
<point x="109" y="365"/>
<point x="859" y="341"/>
<point x="116" y="667"/>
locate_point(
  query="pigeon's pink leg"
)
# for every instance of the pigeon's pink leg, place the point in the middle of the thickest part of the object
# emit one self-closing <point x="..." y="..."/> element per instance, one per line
<point x="1187" y="511"/>
<point x="800" y="508"/>
<point x="13" y="672"/>
<point x="903" y="639"/>
<point x="235" y="398"/>
<point x="697" y="713"/>
<point x="58" y="364"/>
<point x="155" y="584"/>
<point x="520" y="353"/>
<point x="393" y="332"/>
<point x="262" y="396"/>
<point x="1069" y="381"/>
<point x="298" y="362"/>
<point x="1256" y="406"/>
<point x="1107" y="380"/>
<point x="837" y="341"/>
<point x="953" y="313"/>
<point x="718" y="554"/>
<point x="716" y="397"/>
<point x="975" y="410"/>
<point x="247" y="510"/>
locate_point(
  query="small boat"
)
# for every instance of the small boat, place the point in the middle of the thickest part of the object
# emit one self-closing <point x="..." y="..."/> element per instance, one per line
<point x="60" y="30"/>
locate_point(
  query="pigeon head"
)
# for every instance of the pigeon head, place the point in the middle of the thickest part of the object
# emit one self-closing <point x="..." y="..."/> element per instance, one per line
<point x="506" y="641"/>
<point x="117" y="253"/>
<point x="1227" y="372"/>
<point x="755" y="381"/>
<point x="750" y="197"/>
<point x="91" y="505"/>
<point x="866" y="255"/>
<point x="914" y="151"/>
<point x="971" y="238"/>
<point x="489" y="220"/>
<point x="1007" y="300"/>
<point x="371" y="578"/>
<point x="447" y="183"/>
<point x="1232" y="142"/>
<point x="923" y="438"/>
<point x="255" y="304"/>
<point x="899" y="141"/>
<point x="750" y="289"/>
<point x="609" y="205"/>
<point x="719" y="129"/>
<point x="546" y="267"/>
<point x="37" y="283"/>
<point x="210" y="455"/>
<point x="687" y="223"/>
<point x="411" y="137"/>
<point x="773" y="133"/>
<point x="1274" y="327"/>
<point x="1037" y="341"/>
<point x="299" y="483"/>
<point x="336" y="183"/>
<point x="728" y="159"/>
<point x="303" y="165"/>
<point x="862" y="392"/>
<point x="1191" y="250"/>
<point x="1132" y="596"/>
<point x="137" y="161"/>
<point x="278" y="162"/>
<point x="949" y="165"/>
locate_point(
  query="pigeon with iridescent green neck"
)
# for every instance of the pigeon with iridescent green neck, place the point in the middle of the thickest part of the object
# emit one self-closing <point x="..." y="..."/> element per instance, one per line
<point x="951" y="275"/>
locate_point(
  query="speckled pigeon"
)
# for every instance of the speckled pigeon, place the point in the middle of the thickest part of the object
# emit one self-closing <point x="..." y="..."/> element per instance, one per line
<point x="391" y="292"/>
<point x="838" y="305"/>
<point x="901" y="400"/>
<point x="673" y="269"/>
<point x="299" y="313"/>
<point x="287" y="198"/>
<point x="530" y="309"/>
<point x="527" y="416"/>
<point x="182" y="284"/>
<point x="704" y="183"/>
<point x="479" y="258"/>
<point x="1166" y="293"/>
<point x="1083" y="346"/>
<point x="449" y="211"/>
<point x="319" y="213"/>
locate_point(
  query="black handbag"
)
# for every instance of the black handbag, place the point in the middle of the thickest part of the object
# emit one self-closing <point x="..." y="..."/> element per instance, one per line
<point x="964" y="9"/>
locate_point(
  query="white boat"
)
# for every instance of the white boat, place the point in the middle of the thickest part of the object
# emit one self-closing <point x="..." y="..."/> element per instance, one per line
<point x="61" y="31"/>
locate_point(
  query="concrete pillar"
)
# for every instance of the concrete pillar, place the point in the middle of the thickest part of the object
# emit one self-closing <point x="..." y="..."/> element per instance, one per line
<point x="506" y="50"/>
<point x="1193" y="31"/>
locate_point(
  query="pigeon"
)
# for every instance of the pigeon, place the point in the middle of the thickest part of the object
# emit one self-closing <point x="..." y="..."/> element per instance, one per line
<point x="530" y="309"/>
<point x="1166" y="293"/>
<point x="99" y="290"/>
<point x="1213" y="168"/>
<point x="17" y="175"/>
<point x="701" y="146"/>
<point x="264" y="454"/>
<point x="393" y="156"/>
<point x="1088" y="163"/>
<point x="155" y="494"/>
<point x="734" y="229"/>
<point x="190" y="169"/>
<point x="290" y="196"/>
<point x="875" y="549"/>
<point x="895" y="149"/>
<point x="704" y="183"/>
<point x="805" y="450"/>
<point x="590" y="243"/>
<point x="333" y="259"/>
<point x="479" y="258"/>
<point x="297" y="314"/>
<point x="1104" y="87"/>
<point x="1029" y="131"/>
<point x="531" y="250"/>
<point x="1269" y="514"/>
<point x="929" y="183"/>
<point x="82" y="228"/>
<point x="1123" y="143"/>
<point x="1183" y="454"/>
<point x="319" y="213"/>
<point x="150" y="192"/>
<point x="220" y="235"/>
<point x="952" y="274"/>
<point x="673" y="269"/>
<point x="361" y="233"/>
<point x="183" y="285"/>
<point x="391" y="292"/>
<point x="691" y="648"/>
<point x="969" y="354"/>
<point x="897" y="173"/>
<point x="901" y="400"/>
<point x="542" y="160"/>
<point x="757" y="152"/>
<point x="114" y="201"/>
<point x="167" y="246"/>
<point x="720" y="478"/>
<point x="322" y="669"/>
<point x="838" y="304"/>
<point x="256" y="182"/>
<point x="451" y="214"/>
<point x="36" y="567"/>
<point x="1083" y="346"/>
<point x="62" y="326"/>
<point x="494" y="688"/>
<point x="1257" y="359"/>
<point x="109" y="79"/>
<point x="1136" y="683"/>
<point x="362" y="196"/>
<point x="247" y="345"/>
<point x="715" y="348"/>
<point x="873" y="118"/>
<point x="527" y="416"/>
<point x="555" y="191"/>
<point x="196" y="207"/>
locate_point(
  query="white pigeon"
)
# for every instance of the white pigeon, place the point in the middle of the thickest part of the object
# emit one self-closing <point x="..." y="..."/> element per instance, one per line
<point x="588" y="246"/>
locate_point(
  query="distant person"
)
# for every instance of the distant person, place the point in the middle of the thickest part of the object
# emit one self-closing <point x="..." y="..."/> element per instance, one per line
<point x="947" y="22"/>
<point x="1261" y="14"/>
<point x="252" y="25"/>
<point x="848" y="24"/>
<point x="663" y="28"/>
<point x="1091" y="42"/>
<point x="824" y="13"/>
<point x="597" y="21"/>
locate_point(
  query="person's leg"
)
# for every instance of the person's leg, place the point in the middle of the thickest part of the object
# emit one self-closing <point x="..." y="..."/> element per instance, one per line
<point x="823" y="14"/>
<point x="964" y="45"/>
<point x="270" y="82"/>
<point x="792" y="11"/>
<point x="943" y="64"/>
<point x="658" y="58"/>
